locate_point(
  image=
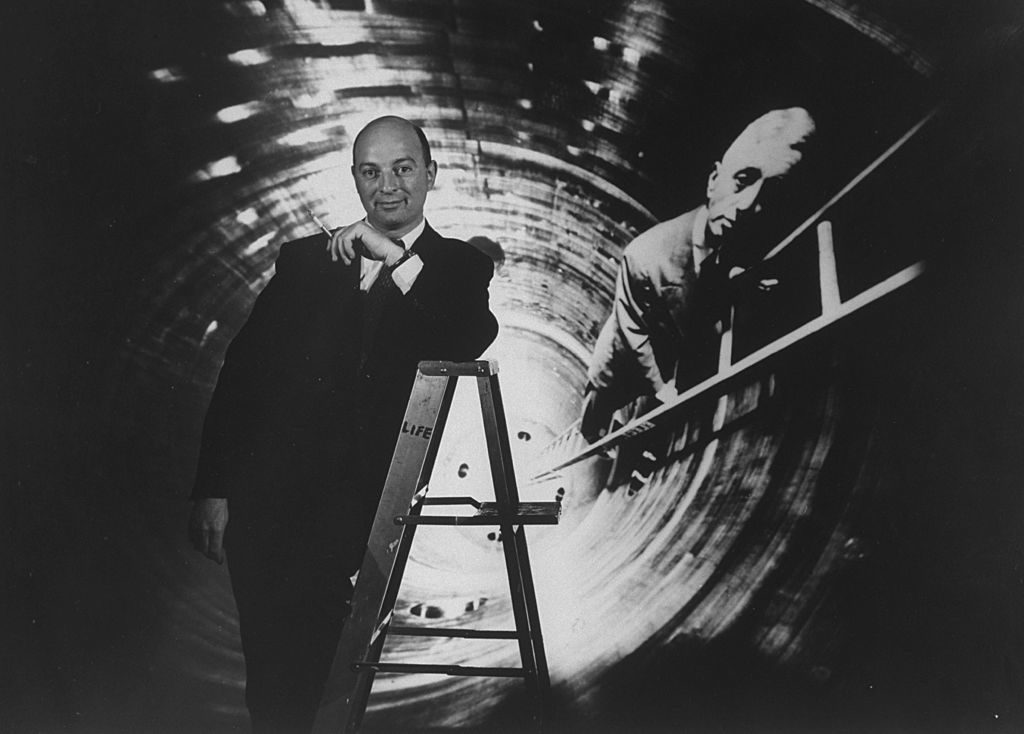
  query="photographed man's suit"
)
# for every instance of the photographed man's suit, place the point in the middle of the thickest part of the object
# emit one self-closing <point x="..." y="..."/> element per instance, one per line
<point x="299" y="437"/>
<point x="660" y="328"/>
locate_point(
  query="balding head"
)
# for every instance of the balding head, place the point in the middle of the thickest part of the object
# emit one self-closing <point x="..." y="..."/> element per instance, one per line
<point x="400" y="122"/>
<point x="740" y="185"/>
<point x="771" y="141"/>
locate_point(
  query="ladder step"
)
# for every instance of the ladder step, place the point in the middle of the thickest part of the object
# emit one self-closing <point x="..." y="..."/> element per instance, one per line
<point x="488" y="513"/>
<point x="444" y="669"/>
<point x="442" y="632"/>
<point x="480" y="368"/>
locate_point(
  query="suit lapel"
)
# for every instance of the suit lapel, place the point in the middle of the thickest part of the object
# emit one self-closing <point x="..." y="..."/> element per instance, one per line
<point x="426" y="245"/>
<point x="344" y="299"/>
<point x="393" y="323"/>
<point x="348" y="275"/>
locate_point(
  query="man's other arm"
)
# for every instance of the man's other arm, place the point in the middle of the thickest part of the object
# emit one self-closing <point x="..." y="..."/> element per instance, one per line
<point x="232" y="414"/>
<point x="450" y="297"/>
<point x="622" y="351"/>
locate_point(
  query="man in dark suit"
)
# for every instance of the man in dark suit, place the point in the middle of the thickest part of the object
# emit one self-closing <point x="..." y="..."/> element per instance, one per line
<point x="303" y="422"/>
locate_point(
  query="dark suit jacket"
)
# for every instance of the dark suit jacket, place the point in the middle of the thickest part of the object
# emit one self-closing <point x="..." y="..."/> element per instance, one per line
<point x="293" y="414"/>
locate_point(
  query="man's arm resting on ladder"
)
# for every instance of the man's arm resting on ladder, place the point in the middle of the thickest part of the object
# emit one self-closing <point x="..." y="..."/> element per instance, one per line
<point x="451" y="302"/>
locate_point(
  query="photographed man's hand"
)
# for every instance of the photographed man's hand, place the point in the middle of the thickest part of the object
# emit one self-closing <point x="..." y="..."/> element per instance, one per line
<point x="667" y="392"/>
<point x="359" y="238"/>
<point x="765" y="285"/>
<point x="596" y="415"/>
<point x="206" y="527"/>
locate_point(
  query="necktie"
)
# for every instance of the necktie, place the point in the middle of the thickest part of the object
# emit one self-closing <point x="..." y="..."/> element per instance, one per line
<point x="712" y="296"/>
<point x="373" y="307"/>
<point x="709" y="267"/>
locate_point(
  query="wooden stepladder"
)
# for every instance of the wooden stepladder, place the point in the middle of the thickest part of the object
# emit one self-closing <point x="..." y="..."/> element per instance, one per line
<point x="357" y="659"/>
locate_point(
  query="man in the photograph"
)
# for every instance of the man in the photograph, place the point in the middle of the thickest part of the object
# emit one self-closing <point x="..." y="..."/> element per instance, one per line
<point x="672" y="279"/>
<point x="303" y="422"/>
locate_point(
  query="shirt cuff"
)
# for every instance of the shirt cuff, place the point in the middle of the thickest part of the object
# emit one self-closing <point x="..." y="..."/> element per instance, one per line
<point x="406" y="272"/>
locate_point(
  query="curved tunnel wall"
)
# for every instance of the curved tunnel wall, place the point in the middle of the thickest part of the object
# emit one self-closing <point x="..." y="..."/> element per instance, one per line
<point x="744" y="583"/>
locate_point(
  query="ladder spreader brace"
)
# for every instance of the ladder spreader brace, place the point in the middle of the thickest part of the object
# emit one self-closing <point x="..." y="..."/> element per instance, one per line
<point x="357" y="659"/>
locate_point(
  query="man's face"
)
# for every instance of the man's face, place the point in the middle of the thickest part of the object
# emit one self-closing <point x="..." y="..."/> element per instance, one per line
<point x="743" y="190"/>
<point x="391" y="176"/>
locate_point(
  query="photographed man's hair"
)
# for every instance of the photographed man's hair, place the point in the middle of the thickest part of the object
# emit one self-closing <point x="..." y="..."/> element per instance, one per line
<point x="793" y="127"/>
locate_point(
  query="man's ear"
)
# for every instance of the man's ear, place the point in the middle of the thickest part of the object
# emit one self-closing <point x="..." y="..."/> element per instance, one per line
<point x="431" y="174"/>
<point x="353" y="170"/>
<point x="712" y="178"/>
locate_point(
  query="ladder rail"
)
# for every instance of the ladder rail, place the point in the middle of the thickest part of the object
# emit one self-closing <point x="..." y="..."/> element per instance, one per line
<point x="533" y="615"/>
<point x="752" y="363"/>
<point x="346" y="690"/>
<point x="516" y="557"/>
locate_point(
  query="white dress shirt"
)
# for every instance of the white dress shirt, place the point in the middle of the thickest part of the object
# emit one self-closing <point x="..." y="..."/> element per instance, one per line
<point x="404" y="274"/>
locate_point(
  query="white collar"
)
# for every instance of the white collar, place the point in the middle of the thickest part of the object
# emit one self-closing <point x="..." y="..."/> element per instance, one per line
<point x="700" y="223"/>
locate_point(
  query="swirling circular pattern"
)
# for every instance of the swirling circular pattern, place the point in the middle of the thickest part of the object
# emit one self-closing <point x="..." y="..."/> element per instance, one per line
<point x="777" y="574"/>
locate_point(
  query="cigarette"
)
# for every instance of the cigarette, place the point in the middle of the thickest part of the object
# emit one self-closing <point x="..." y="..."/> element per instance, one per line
<point x="319" y="224"/>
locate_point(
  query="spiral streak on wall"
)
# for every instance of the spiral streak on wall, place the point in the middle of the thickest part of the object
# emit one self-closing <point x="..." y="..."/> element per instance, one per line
<point x="731" y="584"/>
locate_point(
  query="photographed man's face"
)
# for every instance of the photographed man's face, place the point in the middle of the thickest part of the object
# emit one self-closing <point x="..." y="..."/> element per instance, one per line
<point x="746" y="183"/>
<point x="392" y="178"/>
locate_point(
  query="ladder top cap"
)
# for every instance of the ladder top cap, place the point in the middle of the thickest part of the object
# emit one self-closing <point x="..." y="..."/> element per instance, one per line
<point x="478" y="368"/>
